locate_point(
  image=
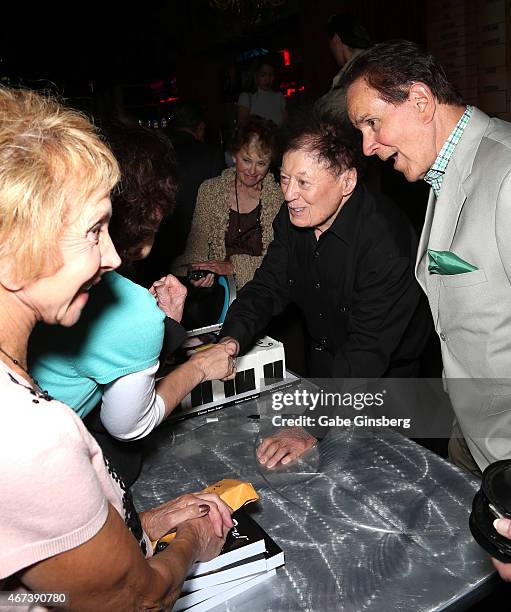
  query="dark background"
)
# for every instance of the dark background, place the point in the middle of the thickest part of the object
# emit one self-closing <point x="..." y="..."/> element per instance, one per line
<point x="132" y="55"/>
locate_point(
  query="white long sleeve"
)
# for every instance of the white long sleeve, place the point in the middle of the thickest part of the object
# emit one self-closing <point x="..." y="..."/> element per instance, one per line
<point x="131" y="408"/>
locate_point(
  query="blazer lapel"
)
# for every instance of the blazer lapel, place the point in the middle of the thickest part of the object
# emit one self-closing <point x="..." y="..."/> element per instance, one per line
<point x="443" y="214"/>
<point x="420" y="262"/>
<point x="447" y="211"/>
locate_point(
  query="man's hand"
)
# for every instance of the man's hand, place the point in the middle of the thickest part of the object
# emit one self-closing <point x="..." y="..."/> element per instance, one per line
<point x="170" y="295"/>
<point x="233" y="346"/>
<point x="503" y="527"/>
<point x="284" y="447"/>
<point x="216" y="362"/>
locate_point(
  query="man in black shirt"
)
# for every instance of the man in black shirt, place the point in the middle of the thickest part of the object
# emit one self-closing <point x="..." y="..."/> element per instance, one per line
<point x="346" y="258"/>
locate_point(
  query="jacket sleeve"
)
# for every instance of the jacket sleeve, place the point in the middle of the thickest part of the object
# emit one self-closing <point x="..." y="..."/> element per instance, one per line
<point x="266" y="295"/>
<point x="197" y="243"/>
<point x="503" y="224"/>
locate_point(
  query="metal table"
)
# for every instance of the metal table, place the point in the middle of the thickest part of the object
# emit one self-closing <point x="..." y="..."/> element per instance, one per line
<point x="367" y="522"/>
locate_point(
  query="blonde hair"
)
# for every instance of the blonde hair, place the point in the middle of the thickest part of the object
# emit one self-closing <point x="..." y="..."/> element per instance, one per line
<point x="50" y="156"/>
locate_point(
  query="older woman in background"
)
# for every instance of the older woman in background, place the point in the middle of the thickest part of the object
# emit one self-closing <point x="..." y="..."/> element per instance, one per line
<point x="232" y="223"/>
<point x="68" y="521"/>
<point x="110" y="357"/>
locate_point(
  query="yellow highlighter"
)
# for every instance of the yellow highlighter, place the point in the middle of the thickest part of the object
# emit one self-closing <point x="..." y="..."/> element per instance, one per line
<point x="235" y="493"/>
<point x="203" y="347"/>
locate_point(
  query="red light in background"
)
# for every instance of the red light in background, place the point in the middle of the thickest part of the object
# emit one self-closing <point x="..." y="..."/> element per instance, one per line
<point x="286" y="56"/>
<point x="168" y="100"/>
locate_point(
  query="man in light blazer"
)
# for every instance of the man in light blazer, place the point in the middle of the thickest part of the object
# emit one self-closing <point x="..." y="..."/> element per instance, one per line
<point x="400" y="99"/>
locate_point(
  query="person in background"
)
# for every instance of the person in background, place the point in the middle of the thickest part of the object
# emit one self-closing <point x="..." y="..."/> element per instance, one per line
<point x="345" y="257"/>
<point x="347" y="38"/>
<point x="197" y="161"/>
<point x="232" y="224"/>
<point x="68" y="521"/>
<point x="264" y="101"/>
<point x="104" y="367"/>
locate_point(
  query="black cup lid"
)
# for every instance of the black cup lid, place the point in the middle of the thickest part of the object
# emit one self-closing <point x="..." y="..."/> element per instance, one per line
<point x="481" y="526"/>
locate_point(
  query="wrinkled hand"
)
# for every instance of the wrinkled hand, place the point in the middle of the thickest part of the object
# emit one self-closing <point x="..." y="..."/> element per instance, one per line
<point x="160" y="520"/>
<point x="170" y="295"/>
<point x="208" y="542"/>
<point x="503" y="526"/>
<point x="216" y="266"/>
<point x="284" y="447"/>
<point x="217" y="362"/>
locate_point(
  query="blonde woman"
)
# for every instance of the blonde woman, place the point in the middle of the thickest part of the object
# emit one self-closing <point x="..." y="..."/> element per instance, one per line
<point x="68" y="522"/>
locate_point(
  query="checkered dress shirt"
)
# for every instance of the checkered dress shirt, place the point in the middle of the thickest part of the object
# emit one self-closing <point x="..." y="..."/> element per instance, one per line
<point x="435" y="174"/>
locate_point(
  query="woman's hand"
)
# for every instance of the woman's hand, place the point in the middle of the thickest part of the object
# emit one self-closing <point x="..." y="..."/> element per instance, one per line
<point x="208" y="544"/>
<point x="215" y="266"/>
<point x="217" y="362"/>
<point x="284" y="447"/>
<point x="170" y="295"/>
<point x="162" y="519"/>
<point x="503" y="527"/>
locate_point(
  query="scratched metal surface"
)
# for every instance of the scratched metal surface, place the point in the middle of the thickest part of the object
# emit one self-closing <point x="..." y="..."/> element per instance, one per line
<point x="373" y="523"/>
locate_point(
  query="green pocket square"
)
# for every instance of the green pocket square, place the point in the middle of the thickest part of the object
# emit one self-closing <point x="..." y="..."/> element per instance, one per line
<point x="445" y="262"/>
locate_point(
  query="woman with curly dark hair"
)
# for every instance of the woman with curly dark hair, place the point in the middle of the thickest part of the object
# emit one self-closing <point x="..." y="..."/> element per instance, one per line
<point x="110" y="358"/>
<point x="147" y="189"/>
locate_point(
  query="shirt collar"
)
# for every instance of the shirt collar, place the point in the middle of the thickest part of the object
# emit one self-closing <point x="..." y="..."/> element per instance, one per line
<point x="344" y="224"/>
<point x="435" y="175"/>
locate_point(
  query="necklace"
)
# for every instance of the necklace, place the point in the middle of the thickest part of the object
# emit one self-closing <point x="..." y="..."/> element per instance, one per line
<point x="237" y="202"/>
<point x="15" y="361"/>
<point x="43" y="393"/>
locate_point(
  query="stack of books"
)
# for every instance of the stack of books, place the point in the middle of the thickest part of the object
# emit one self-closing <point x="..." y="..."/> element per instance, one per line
<point x="249" y="557"/>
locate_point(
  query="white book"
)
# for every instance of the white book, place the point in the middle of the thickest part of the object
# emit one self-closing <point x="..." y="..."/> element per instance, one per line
<point x="245" y="567"/>
<point x="248" y="550"/>
<point x="232" y="592"/>
<point x="237" y="547"/>
<point x="190" y="599"/>
<point x="245" y="537"/>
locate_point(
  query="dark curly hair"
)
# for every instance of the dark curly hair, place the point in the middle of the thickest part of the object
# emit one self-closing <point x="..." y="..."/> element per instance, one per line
<point x="337" y="146"/>
<point x="256" y="127"/>
<point x="393" y="66"/>
<point x="147" y="189"/>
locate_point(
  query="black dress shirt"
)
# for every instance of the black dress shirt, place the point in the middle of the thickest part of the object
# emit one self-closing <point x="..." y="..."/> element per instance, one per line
<point x="355" y="285"/>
